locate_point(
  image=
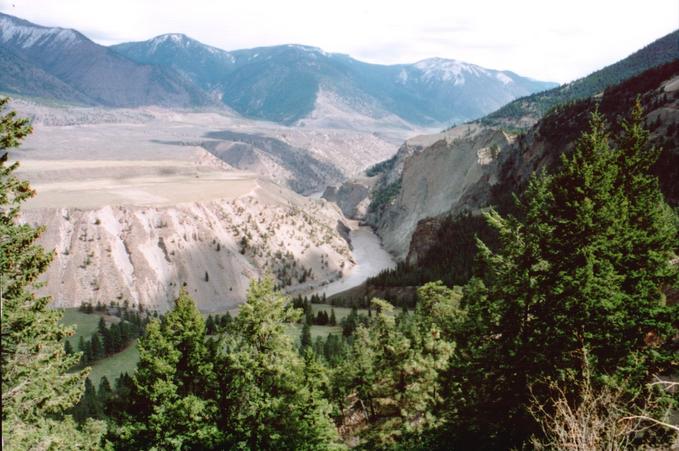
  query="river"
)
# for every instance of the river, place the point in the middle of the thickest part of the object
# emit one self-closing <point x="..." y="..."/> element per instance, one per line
<point x="370" y="258"/>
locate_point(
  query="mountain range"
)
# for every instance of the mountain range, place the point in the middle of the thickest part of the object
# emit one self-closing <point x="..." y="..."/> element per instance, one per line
<point x="284" y="83"/>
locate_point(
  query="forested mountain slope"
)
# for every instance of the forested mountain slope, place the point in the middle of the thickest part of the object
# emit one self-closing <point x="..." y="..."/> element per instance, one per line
<point x="525" y="111"/>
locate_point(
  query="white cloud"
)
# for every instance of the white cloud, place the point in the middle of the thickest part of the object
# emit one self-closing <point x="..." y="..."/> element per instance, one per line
<point x="545" y="40"/>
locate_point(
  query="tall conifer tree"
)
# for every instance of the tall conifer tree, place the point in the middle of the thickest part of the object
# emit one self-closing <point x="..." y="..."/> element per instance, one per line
<point x="36" y="387"/>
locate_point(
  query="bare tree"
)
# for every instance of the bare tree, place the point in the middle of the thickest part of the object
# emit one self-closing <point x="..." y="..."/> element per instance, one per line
<point x="599" y="420"/>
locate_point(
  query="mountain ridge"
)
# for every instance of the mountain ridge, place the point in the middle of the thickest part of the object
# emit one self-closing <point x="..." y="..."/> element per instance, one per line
<point x="525" y="111"/>
<point x="281" y="82"/>
<point x="100" y="75"/>
<point x="276" y="83"/>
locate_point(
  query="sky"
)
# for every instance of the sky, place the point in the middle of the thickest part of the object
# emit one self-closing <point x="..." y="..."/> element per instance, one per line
<point x="547" y="40"/>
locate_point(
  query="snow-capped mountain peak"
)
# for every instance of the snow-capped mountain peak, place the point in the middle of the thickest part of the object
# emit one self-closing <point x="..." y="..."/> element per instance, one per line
<point x="441" y="69"/>
<point x="25" y="34"/>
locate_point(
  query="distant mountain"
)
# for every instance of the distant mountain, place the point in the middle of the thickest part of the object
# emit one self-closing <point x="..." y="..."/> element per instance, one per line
<point x="63" y="64"/>
<point x="201" y="63"/>
<point x="525" y="111"/>
<point x="285" y="84"/>
<point x="282" y="83"/>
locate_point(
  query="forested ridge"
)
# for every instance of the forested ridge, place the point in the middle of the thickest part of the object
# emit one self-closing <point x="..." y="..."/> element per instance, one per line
<point x="564" y="309"/>
<point x="660" y="52"/>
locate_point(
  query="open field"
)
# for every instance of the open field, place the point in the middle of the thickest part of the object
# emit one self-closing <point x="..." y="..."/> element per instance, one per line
<point x="111" y="367"/>
<point x="85" y="323"/>
<point x="295" y="330"/>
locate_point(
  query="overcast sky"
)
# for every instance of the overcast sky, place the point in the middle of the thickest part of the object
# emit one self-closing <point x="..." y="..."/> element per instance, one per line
<point x="547" y="40"/>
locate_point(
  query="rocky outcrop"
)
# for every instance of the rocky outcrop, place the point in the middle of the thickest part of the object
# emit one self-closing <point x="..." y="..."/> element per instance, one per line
<point x="423" y="239"/>
<point x="454" y="174"/>
<point x="469" y="167"/>
<point x="352" y="197"/>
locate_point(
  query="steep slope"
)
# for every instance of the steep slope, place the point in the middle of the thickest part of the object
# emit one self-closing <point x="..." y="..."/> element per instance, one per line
<point x="19" y="77"/>
<point x="274" y="159"/>
<point x="438" y="180"/>
<point x="283" y="83"/>
<point x="471" y="172"/>
<point x="526" y="111"/>
<point x="138" y="230"/>
<point x="94" y="74"/>
<point x="394" y="208"/>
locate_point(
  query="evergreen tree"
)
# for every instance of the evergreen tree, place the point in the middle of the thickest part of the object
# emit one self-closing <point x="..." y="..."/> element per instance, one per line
<point x="394" y="368"/>
<point x="319" y="343"/>
<point x="170" y="405"/>
<point x="96" y="348"/>
<point x="83" y="349"/>
<point x="267" y="399"/>
<point x="305" y="337"/>
<point x="564" y="285"/>
<point x="210" y="325"/>
<point x="89" y="406"/>
<point x="116" y="337"/>
<point x="226" y="321"/>
<point x="101" y="325"/>
<point x="333" y="318"/>
<point x="104" y="392"/>
<point x="36" y="387"/>
<point x="649" y="244"/>
<point x="68" y="348"/>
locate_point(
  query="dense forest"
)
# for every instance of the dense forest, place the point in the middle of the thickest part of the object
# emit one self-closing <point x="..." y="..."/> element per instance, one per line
<point x="559" y="337"/>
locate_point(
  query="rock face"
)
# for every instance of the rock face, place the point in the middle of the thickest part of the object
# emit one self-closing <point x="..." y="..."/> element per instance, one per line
<point x="452" y="175"/>
<point x="352" y="196"/>
<point x="144" y="255"/>
<point x="126" y="229"/>
<point x="469" y="167"/>
<point x="423" y="239"/>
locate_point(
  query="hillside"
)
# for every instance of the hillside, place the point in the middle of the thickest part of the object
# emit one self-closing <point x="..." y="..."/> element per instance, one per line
<point x="525" y="111"/>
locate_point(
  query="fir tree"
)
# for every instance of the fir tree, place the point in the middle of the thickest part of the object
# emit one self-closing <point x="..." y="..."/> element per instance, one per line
<point x="649" y="243"/>
<point x="210" y="325"/>
<point x="395" y="369"/>
<point x="89" y="406"/>
<point x="36" y="387"/>
<point x="305" y="337"/>
<point x="104" y="392"/>
<point x="96" y="348"/>
<point x="266" y="397"/>
<point x="83" y="349"/>
<point x="170" y="406"/>
<point x="564" y="285"/>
